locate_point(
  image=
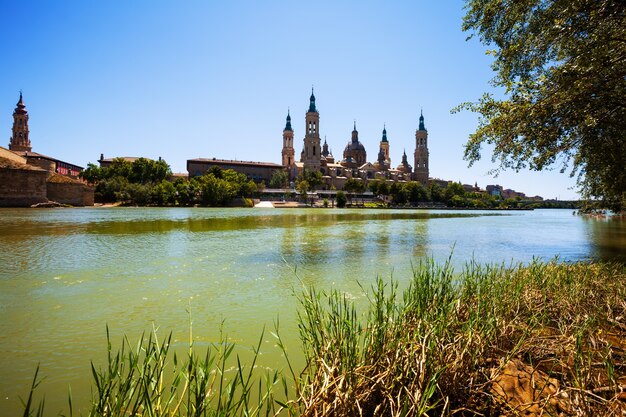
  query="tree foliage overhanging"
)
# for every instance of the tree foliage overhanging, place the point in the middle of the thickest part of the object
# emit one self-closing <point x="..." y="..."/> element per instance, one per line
<point x="562" y="66"/>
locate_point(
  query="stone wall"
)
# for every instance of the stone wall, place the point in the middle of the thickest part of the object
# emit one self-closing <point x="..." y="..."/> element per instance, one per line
<point x="41" y="163"/>
<point x="72" y="193"/>
<point x="22" y="187"/>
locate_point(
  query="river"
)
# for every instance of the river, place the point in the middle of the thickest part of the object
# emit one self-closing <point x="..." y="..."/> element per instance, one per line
<point x="67" y="273"/>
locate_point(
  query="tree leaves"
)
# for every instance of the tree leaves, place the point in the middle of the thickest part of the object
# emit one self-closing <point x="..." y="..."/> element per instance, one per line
<point x="562" y="67"/>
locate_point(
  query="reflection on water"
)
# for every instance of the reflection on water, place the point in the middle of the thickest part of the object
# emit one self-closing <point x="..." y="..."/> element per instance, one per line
<point x="609" y="237"/>
<point x="65" y="274"/>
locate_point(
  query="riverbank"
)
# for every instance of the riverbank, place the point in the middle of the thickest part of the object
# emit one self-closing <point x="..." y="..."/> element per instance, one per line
<point x="542" y="339"/>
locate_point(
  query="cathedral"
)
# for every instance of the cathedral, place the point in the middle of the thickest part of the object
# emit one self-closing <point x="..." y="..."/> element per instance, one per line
<point x="317" y="157"/>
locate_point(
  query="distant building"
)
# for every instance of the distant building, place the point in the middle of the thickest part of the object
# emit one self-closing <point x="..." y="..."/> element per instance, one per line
<point x="256" y="171"/>
<point x="494" y="190"/>
<point x="28" y="177"/>
<point x="20" y="144"/>
<point x="469" y="188"/>
<point x="508" y="193"/>
<point x="106" y="162"/>
<point x="354" y="164"/>
<point x="440" y="183"/>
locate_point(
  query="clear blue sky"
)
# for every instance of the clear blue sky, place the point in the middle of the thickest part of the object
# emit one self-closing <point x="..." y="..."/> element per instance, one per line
<point x="193" y="79"/>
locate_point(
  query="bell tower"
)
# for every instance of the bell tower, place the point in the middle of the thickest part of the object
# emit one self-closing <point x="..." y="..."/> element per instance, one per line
<point x="384" y="146"/>
<point x="420" y="169"/>
<point x="288" y="151"/>
<point x="312" y="150"/>
<point x="19" y="140"/>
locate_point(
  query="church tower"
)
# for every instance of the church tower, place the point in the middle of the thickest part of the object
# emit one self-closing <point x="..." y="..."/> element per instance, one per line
<point x="288" y="152"/>
<point x="384" y="147"/>
<point x="420" y="169"/>
<point x="404" y="167"/>
<point x="19" y="140"/>
<point x="312" y="150"/>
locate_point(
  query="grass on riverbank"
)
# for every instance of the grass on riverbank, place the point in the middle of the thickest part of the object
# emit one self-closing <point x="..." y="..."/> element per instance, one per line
<point x="546" y="338"/>
<point x="542" y="339"/>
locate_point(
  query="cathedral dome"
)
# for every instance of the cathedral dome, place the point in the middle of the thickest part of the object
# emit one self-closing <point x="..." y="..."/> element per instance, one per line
<point x="354" y="146"/>
<point x="355" y="150"/>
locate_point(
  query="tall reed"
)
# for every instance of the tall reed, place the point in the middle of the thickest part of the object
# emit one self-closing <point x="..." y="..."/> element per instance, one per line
<point x="449" y="342"/>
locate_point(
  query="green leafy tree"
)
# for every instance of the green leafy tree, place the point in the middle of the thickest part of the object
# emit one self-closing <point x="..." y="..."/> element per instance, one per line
<point x="119" y="168"/>
<point x="216" y="171"/>
<point x="454" y="189"/>
<point x="187" y="191"/>
<point x="415" y="192"/>
<point x="303" y="187"/>
<point x="383" y="189"/>
<point x="108" y="190"/>
<point x="374" y="186"/>
<point x="457" y="201"/>
<point x="136" y="194"/>
<point x="341" y="199"/>
<point x="436" y="193"/>
<point x="352" y="185"/>
<point x="216" y="192"/>
<point x="218" y="187"/>
<point x="280" y="179"/>
<point x="313" y="179"/>
<point x="163" y="194"/>
<point x="561" y="65"/>
<point x="398" y="194"/>
<point x="113" y="183"/>
<point x="92" y="174"/>
<point x="147" y="171"/>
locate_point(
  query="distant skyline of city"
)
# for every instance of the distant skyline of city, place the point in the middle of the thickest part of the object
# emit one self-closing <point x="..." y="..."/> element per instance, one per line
<point x="216" y="80"/>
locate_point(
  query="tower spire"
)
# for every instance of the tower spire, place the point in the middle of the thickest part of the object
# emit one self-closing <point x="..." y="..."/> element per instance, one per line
<point x="312" y="107"/>
<point x="422" y="120"/>
<point x="288" y="124"/>
<point x="355" y="134"/>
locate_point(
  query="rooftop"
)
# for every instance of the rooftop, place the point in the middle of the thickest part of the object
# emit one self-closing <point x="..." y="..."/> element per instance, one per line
<point x="31" y="154"/>
<point x="215" y="161"/>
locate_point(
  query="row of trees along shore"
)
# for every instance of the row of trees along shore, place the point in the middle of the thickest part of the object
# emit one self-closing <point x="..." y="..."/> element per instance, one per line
<point x="145" y="182"/>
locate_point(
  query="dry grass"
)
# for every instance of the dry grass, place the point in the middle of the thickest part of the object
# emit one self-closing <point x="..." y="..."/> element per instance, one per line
<point x="545" y="339"/>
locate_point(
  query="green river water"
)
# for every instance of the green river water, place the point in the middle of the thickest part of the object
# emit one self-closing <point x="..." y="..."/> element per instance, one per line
<point x="67" y="273"/>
